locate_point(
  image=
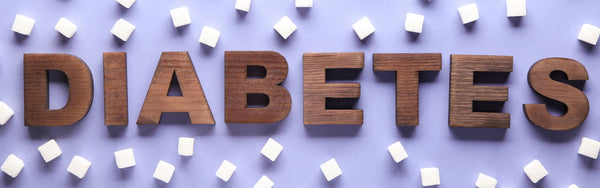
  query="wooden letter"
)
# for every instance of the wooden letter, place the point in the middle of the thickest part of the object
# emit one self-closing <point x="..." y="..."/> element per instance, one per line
<point x="463" y="93"/>
<point x="35" y="68"/>
<point x="316" y="90"/>
<point x="192" y="100"/>
<point x="238" y="86"/>
<point x="115" y="89"/>
<point x="407" y="67"/>
<point x="575" y="100"/>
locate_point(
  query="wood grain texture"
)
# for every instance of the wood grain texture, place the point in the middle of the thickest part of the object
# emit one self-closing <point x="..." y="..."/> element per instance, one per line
<point x="316" y="90"/>
<point x="463" y="93"/>
<point x="540" y="81"/>
<point x="35" y="68"/>
<point x="407" y="67"/>
<point x="238" y="86"/>
<point x="192" y="100"/>
<point x="115" y="88"/>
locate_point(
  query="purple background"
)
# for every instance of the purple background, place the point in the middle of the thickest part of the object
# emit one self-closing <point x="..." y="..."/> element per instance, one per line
<point x="549" y="30"/>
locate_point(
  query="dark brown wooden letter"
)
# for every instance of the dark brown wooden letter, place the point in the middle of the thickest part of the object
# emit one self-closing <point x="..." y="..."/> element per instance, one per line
<point x="115" y="88"/>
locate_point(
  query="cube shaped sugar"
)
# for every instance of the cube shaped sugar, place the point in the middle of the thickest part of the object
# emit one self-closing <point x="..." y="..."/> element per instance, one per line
<point x="589" y="148"/>
<point x="79" y="166"/>
<point x="243" y="5"/>
<point x="122" y="29"/>
<point x="5" y="113"/>
<point x="468" y="13"/>
<point x="485" y="181"/>
<point x="573" y="186"/>
<point x="304" y="3"/>
<point x="164" y="171"/>
<point x="225" y="170"/>
<point x="23" y="24"/>
<point x="363" y="28"/>
<point x="125" y="158"/>
<point x="180" y="16"/>
<point x="50" y="150"/>
<point x="414" y="23"/>
<point x="516" y="8"/>
<point x="535" y="171"/>
<point x="271" y="149"/>
<point x="397" y="152"/>
<point x="430" y="176"/>
<point x="126" y="3"/>
<point x="65" y="27"/>
<point x="209" y="36"/>
<point x="331" y="169"/>
<point x="186" y="146"/>
<point x="12" y="166"/>
<point x="589" y="34"/>
<point x="285" y="27"/>
<point x="264" y="182"/>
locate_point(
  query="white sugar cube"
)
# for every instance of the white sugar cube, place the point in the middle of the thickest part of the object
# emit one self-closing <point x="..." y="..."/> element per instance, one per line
<point x="304" y="3"/>
<point x="23" y="24"/>
<point x="264" y="182"/>
<point x="186" y="146"/>
<point x="126" y="3"/>
<point x="285" y="27"/>
<point x="516" y="8"/>
<point x="12" y="166"/>
<point x="573" y="186"/>
<point x="414" y="23"/>
<point x="485" y="181"/>
<point x="125" y="158"/>
<point x="243" y="5"/>
<point x="468" y="13"/>
<point x="430" y="176"/>
<point x="209" y="36"/>
<point x="180" y="16"/>
<point x="225" y="170"/>
<point x="5" y="113"/>
<point x="164" y="171"/>
<point x="122" y="29"/>
<point x="363" y="28"/>
<point x="589" y="34"/>
<point x="589" y="148"/>
<point x="535" y="171"/>
<point x="331" y="169"/>
<point x="65" y="27"/>
<point x="397" y="152"/>
<point x="50" y="150"/>
<point x="271" y="149"/>
<point x="79" y="166"/>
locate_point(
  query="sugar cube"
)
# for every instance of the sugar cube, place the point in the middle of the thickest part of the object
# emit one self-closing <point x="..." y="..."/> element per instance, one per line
<point x="430" y="176"/>
<point x="164" y="171"/>
<point x="79" y="166"/>
<point x="304" y="3"/>
<point x="125" y="158"/>
<point x="23" y="24"/>
<point x="122" y="29"/>
<point x="126" y="3"/>
<point x="50" y="150"/>
<point x="264" y="182"/>
<point x="535" y="171"/>
<point x="243" y="5"/>
<point x="485" y="181"/>
<point x="397" y="152"/>
<point x="331" y="169"/>
<point x="363" y="28"/>
<point x="225" y="170"/>
<point x="65" y="27"/>
<point x="12" y="166"/>
<point x="285" y="27"/>
<point x="5" y="113"/>
<point x="589" y="148"/>
<point x="209" y="36"/>
<point x="414" y="23"/>
<point x="468" y="13"/>
<point x="516" y="8"/>
<point x="271" y="149"/>
<point x="589" y="34"/>
<point x="180" y="16"/>
<point x="186" y="146"/>
<point x="573" y="186"/>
